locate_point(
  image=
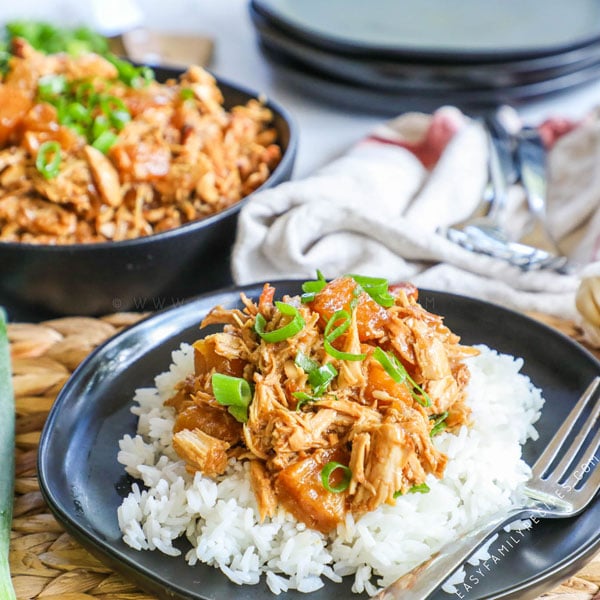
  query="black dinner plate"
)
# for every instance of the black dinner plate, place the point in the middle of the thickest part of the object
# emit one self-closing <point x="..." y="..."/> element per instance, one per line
<point x="399" y="74"/>
<point x="463" y="30"/>
<point x="83" y="483"/>
<point x="414" y="96"/>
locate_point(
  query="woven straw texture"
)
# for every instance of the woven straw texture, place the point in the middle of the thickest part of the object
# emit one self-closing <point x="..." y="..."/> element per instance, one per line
<point x="48" y="564"/>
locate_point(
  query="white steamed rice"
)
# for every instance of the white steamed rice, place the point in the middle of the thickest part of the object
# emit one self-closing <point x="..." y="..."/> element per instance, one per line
<point x="220" y="518"/>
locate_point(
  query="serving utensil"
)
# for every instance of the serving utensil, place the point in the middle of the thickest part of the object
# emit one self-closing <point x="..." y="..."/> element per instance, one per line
<point x="564" y="480"/>
<point x="531" y="158"/>
<point x="485" y="221"/>
<point x="512" y="158"/>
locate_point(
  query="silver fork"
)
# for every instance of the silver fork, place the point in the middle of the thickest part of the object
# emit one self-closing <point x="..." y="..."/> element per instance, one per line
<point x="482" y="231"/>
<point x="553" y="491"/>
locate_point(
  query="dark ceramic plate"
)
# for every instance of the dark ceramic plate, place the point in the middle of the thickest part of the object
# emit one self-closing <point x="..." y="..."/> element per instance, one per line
<point x="459" y="31"/>
<point x="414" y="95"/>
<point x="400" y="75"/>
<point x="83" y="483"/>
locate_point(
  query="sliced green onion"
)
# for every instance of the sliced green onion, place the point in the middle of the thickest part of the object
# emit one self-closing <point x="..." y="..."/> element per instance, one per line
<point x="109" y="104"/>
<point x="120" y="118"/>
<point x="303" y="398"/>
<point x="76" y="47"/>
<point x="78" y="112"/>
<point x="395" y="369"/>
<point x="233" y="392"/>
<point x="85" y="93"/>
<point x="105" y="141"/>
<point x="320" y="378"/>
<point x="145" y="75"/>
<point x="100" y="125"/>
<point x="79" y="129"/>
<point x="312" y="288"/>
<point x="115" y="110"/>
<point x="295" y="325"/>
<point x="62" y="112"/>
<point x="126" y="71"/>
<point x="421" y="488"/>
<point x="48" y="159"/>
<point x="377" y="288"/>
<point x="326" y="472"/>
<point x="50" y="86"/>
<point x="439" y="423"/>
<point x="186" y="93"/>
<point x="130" y="75"/>
<point x="50" y="39"/>
<point x="305" y="363"/>
<point x="332" y="332"/>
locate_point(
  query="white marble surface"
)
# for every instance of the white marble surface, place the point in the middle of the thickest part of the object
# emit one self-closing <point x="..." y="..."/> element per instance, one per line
<point x="325" y="130"/>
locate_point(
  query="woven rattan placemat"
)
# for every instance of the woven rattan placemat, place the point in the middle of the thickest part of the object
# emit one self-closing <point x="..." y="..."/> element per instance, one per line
<point x="46" y="563"/>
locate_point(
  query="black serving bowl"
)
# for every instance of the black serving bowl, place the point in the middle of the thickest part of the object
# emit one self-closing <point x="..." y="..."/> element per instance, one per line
<point x="143" y="274"/>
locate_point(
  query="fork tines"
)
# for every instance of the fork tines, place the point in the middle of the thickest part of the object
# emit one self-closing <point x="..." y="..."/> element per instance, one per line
<point x="575" y="445"/>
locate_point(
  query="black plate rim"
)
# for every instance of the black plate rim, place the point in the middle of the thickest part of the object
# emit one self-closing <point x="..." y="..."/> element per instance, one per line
<point x="341" y="45"/>
<point x="389" y="103"/>
<point x="396" y="76"/>
<point x="551" y="575"/>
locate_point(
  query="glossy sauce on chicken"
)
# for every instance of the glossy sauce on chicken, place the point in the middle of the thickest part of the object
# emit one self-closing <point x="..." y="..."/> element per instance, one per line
<point x="344" y="390"/>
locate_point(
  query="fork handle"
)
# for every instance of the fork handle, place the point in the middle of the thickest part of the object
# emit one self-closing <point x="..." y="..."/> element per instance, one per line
<point x="424" y="579"/>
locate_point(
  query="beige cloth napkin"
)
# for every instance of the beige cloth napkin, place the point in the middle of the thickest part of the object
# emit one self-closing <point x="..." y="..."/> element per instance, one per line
<point x="377" y="211"/>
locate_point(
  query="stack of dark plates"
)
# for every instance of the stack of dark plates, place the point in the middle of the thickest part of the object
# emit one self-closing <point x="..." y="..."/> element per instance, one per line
<point x="387" y="56"/>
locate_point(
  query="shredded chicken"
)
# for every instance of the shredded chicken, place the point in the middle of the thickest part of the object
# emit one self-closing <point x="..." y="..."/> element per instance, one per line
<point x="372" y="415"/>
<point x="133" y="159"/>
<point x="201" y="451"/>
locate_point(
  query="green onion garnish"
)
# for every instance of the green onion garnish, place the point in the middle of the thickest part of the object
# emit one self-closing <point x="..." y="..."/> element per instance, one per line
<point x="305" y="363"/>
<point x="376" y="287"/>
<point x="111" y="103"/>
<point x="78" y="113"/>
<point x="395" y="369"/>
<point x="303" y="398"/>
<point x="50" y="39"/>
<point x="50" y="86"/>
<point x="48" y="159"/>
<point x="326" y="472"/>
<point x="99" y="126"/>
<point x="439" y="423"/>
<point x="120" y="118"/>
<point x="145" y="76"/>
<point x="319" y="376"/>
<point x="116" y="111"/>
<point x="295" y="325"/>
<point x="88" y="112"/>
<point x="233" y="392"/>
<point x="129" y="74"/>
<point x="330" y="334"/>
<point x="105" y="141"/>
<point x="186" y="93"/>
<point x="85" y="92"/>
<point x="421" y="488"/>
<point x="312" y="288"/>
